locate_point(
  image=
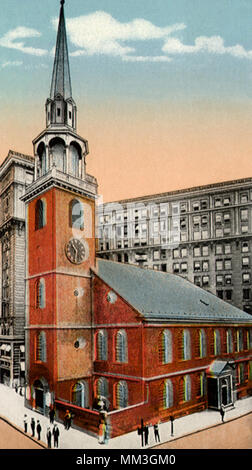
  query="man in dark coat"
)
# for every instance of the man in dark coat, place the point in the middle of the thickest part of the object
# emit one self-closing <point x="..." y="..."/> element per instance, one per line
<point x="33" y="426"/>
<point x="51" y="415"/>
<point x="49" y="437"/>
<point x="56" y="435"/>
<point x="38" y="430"/>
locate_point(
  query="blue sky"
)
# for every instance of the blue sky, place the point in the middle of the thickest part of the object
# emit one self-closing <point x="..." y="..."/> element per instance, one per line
<point x="164" y="54"/>
<point x="128" y="57"/>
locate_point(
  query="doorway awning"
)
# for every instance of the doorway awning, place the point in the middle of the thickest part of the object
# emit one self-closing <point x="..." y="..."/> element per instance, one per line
<point x="219" y="367"/>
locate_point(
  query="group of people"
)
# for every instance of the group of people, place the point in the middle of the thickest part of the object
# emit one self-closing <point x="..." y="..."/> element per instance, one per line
<point x="36" y="427"/>
<point x="143" y="431"/>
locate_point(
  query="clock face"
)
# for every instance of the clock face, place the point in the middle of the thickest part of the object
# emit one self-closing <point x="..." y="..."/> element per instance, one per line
<point x="75" y="251"/>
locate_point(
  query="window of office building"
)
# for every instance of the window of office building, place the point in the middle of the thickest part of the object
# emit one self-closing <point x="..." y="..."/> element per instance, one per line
<point x="183" y="207"/>
<point x="227" y="264"/>
<point x="156" y="255"/>
<point x="245" y="261"/>
<point x="217" y="202"/>
<point x="227" y="248"/>
<point x="246" y="294"/>
<point x="244" y="198"/>
<point x="176" y="267"/>
<point x="219" y="232"/>
<point x="205" y="266"/>
<point x="228" y="278"/>
<point x="246" y="278"/>
<point x="197" y="266"/>
<point x="197" y="281"/>
<point x="183" y="267"/>
<point x="196" y="251"/>
<point x="219" y="280"/>
<point x="203" y="204"/>
<point x="245" y="247"/>
<point x="229" y="294"/>
<point x="205" y="281"/>
<point x="183" y="252"/>
<point x="205" y="250"/>
<point x="218" y="218"/>
<point x="244" y="214"/>
<point x="176" y="253"/>
<point x="219" y="265"/>
<point x="226" y="201"/>
<point x="218" y="249"/>
<point x="196" y="206"/>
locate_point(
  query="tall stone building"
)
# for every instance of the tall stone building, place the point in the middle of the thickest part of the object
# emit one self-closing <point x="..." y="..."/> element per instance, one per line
<point x="203" y="234"/>
<point x="16" y="172"/>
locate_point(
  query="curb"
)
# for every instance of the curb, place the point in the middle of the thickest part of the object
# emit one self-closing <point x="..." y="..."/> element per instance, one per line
<point x="199" y="430"/>
<point x="14" y="426"/>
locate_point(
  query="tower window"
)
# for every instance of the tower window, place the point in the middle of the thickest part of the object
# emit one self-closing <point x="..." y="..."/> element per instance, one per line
<point x="58" y="112"/>
<point x="76" y="215"/>
<point x="70" y="115"/>
<point x="121" y="346"/>
<point x="40" y="214"/>
<point x="40" y="293"/>
<point x="41" y="347"/>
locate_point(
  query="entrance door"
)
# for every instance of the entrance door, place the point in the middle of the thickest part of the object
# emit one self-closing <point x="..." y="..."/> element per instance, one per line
<point x="225" y="391"/>
<point x="39" y="395"/>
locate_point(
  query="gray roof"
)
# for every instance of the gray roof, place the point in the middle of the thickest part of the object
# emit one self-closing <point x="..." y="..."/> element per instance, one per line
<point x="163" y="296"/>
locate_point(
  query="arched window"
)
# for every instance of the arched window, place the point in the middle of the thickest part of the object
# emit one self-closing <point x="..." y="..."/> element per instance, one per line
<point x="121" y="394"/>
<point x="202" y="343"/>
<point x="121" y="346"/>
<point x="229" y="341"/>
<point x="40" y="293"/>
<point x="239" y="340"/>
<point x="42" y="159"/>
<point x="165" y="347"/>
<point x="168" y="394"/>
<point x="74" y="155"/>
<point x="200" y="384"/>
<point x="186" y="345"/>
<point x="101" y="346"/>
<point x="58" y="153"/>
<point x="102" y="387"/>
<point x="76" y="215"/>
<point x="217" y="343"/>
<point x="41" y="346"/>
<point x="40" y="214"/>
<point x="80" y="394"/>
<point x="186" y="383"/>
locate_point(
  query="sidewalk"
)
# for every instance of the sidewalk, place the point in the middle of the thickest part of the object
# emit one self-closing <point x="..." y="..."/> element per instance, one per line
<point x="12" y="409"/>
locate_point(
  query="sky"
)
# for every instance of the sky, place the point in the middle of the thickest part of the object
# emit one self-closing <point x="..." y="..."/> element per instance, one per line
<point x="163" y="89"/>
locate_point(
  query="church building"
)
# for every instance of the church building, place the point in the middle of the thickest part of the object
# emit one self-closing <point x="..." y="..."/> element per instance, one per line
<point x="148" y="344"/>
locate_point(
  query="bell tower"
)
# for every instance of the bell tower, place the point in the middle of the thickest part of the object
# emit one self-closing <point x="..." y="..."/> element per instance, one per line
<point x="60" y="249"/>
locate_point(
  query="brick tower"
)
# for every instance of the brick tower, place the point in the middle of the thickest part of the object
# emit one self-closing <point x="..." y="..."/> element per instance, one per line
<point x="60" y="249"/>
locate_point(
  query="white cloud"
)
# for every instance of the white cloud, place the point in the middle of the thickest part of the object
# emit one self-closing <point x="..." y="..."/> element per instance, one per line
<point x="9" y="63"/>
<point x="212" y="45"/>
<point x="100" y="33"/>
<point x="9" y="40"/>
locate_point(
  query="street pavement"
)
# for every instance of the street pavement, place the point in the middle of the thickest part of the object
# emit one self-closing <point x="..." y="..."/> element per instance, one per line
<point x="12" y="410"/>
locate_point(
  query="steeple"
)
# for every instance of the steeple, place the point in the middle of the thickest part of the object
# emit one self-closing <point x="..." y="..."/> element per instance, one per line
<point x="61" y="80"/>
<point x="60" y="107"/>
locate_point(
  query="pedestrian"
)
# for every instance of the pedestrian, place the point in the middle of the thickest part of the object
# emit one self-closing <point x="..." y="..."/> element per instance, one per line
<point x="222" y="413"/>
<point x="20" y="391"/>
<point x="67" y="419"/>
<point x="156" y="432"/>
<point x="140" y="432"/>
<point x="16" y="388"/>
<point x="49" y="437"/>
<point x="33" y="426"/>
<point x="52" y="415"/>
<point x="38" y="429"/>
<point x="171" y="420"/>
<point x="55" y="435"/>
<point x="25" y="423"/>
<point x="146" y="434"/>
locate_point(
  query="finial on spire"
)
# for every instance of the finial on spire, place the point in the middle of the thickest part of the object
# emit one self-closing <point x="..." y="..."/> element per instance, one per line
<point x="62" y="2"/>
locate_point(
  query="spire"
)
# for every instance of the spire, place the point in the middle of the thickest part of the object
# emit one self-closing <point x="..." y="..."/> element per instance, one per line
<point x="61" y="80"/>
